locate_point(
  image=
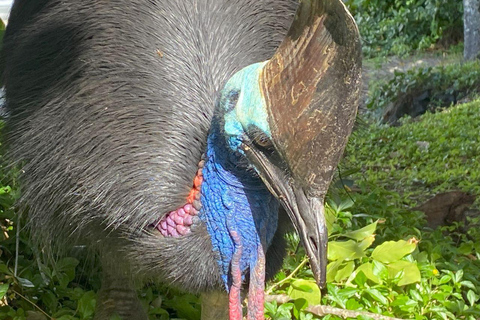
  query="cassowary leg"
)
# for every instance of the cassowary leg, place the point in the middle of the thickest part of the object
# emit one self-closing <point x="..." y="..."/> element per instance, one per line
<point x="117" y="296"/>
<point x="256" y="292"/>
<point x="214" y="306"/>
<point x="235" y="297"/>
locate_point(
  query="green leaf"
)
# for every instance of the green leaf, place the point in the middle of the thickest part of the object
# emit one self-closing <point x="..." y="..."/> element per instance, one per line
<point x="86" y="304"/>
<point x="332" y="269"/>
<point x="380" y="270"/>
<point x="366" y="243"/>
<point x="299" y="305"/>
<point x="353" y="304"/>
<point x="471" y="297"/>
<point x="458" y="276"/>
<point x="3" y="290"/>
<point x="444" y="279"/>
<point x="345" y="272"/>
<point x="416" y="295"/>
<point x="4" y="269"/>
<point x="360" y="279"/>
<point x="377" y="295"/>
<point x="344" y="250"/>
<point x="67" y="267"/>
<point x="330" y="218"/>
<point x="411" y="273"/>
<point x="67" y="263"/>
<point x="468" y="284"/>
<point x="392" y="251"/>
<point x="466" y="248"/>
<point x="187" y="306"/>
<point x="50" y="300"/>
<point x="362" y="233"/>
<point x="367" y="269"/>
<point x="305" y="289"/>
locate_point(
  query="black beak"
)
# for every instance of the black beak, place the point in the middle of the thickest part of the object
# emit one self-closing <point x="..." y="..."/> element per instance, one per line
<point x="306" y="213"/>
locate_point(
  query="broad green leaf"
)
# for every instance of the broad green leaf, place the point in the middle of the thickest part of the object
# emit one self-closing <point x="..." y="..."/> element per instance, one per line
<point x="352" y="304"/>
<point x="380" y="270"/>
<point x="444" y="279"/>
<point x="458" y="276"/>
<point x="50" y="299"/>
<point x="362" y="233"/>
<point x="367" y="242"/>
<point x="345" y="272"/>
<point x="305" y="289"/>
<point x="330" y="218"/>
<point x="332" y="269"/>
<point x="347" y="293"/>
<point x="360" y="278"/>
<point x="344" y="250"/>
<point x="298" y="306"/>
<point x="466" y="248"/>
<point x="4" y="269"/>
<point x="416" y="295"/>
<point x="86" y="304"/>
<point x="472" y="297"/>
<point x="392" y="251"/>
<point x="3" y="290"/>
<point x="411" y="273"/>
<point x="66" y="264"/>
<point x="333" y="295"/>
<point x="377" y="295"/>
<point x="468" y="284"/>
<point x="344" y="205"/>
<point x="367" y="269"/>
<point x="187" y="306"/>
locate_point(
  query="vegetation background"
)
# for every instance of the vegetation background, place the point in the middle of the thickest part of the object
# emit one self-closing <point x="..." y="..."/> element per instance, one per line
<point x="416" y="139"/>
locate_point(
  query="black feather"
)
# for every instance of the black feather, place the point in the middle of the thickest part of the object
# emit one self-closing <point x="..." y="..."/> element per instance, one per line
<point x="109" y="106"/>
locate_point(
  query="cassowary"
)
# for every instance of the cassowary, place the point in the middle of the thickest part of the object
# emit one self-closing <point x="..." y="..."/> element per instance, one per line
<point x="180" y="138"/>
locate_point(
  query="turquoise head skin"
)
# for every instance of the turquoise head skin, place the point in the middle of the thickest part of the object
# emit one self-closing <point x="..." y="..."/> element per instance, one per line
<point x="250" y="108"/>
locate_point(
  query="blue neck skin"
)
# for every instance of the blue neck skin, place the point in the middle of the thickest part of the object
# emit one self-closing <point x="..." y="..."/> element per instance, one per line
<point x="234" y="199"/>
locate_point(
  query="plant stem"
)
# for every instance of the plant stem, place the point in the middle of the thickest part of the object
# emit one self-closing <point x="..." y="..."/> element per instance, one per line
<point x="290" y="276"/>
<point x="33" y="304"/>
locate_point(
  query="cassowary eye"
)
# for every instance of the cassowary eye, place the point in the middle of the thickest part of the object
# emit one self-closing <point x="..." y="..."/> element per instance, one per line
<point x="261" y="141"/>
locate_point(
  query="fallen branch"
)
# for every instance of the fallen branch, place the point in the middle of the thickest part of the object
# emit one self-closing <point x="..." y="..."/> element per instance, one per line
<point x="321" y="311"/>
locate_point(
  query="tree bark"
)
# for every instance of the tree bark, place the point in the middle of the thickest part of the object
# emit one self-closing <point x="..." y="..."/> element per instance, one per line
<point x="472" y="29"/>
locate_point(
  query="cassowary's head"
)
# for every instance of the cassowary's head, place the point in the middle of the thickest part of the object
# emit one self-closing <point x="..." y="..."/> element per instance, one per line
<point x="277" y="135"/>
<point x="291" y="116"/>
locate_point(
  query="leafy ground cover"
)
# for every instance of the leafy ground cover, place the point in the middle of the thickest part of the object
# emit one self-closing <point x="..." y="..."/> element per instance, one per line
<point x="382" y="258"/>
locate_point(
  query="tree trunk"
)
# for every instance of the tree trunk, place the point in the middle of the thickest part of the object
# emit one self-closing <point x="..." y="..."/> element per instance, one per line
<point x="472" y="29"/>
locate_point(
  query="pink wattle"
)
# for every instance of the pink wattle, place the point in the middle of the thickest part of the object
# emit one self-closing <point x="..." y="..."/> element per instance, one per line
<point x="177" y="223"/>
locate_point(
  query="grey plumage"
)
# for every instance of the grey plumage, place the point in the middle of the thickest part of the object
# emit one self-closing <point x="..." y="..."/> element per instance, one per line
<point x="110" y="103"/>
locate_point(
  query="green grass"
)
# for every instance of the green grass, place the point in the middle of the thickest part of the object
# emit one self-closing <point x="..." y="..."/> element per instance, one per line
<point x="382" y="259"/>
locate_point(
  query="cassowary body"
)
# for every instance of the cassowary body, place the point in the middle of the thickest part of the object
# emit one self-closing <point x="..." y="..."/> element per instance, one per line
<point x="149" y="130"/>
